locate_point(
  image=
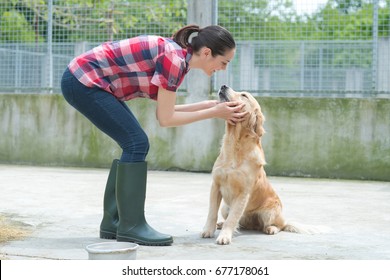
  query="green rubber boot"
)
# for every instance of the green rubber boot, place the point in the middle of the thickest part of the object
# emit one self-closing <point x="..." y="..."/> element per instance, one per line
<point x="130" y="197"/>
<point x="109" y="224"/>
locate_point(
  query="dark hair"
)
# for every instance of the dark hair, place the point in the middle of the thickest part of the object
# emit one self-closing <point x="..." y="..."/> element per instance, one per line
<point x="214" y="37"/>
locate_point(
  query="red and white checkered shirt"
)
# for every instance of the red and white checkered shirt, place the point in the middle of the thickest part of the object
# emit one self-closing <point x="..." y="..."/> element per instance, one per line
<point x="134" y="67"/>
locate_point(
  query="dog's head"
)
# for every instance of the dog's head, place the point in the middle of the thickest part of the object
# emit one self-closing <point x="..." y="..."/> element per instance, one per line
<point x="253" y="120"/>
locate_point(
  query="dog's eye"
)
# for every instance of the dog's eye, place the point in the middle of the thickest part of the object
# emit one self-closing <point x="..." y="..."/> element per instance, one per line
<point x="244" y="95"/>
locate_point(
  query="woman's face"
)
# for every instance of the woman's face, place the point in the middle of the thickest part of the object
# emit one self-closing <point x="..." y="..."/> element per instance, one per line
<point x="212" y="64"/>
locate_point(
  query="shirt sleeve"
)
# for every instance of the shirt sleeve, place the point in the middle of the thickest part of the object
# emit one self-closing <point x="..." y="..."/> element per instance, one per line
<point x="170" y="69"/>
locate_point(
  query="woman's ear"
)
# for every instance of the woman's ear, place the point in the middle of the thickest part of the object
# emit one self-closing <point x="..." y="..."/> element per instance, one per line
<point x="206" y="52"/>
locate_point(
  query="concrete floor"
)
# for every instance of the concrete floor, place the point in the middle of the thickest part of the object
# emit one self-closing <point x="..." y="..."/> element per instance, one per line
<point x="63" y="207"/>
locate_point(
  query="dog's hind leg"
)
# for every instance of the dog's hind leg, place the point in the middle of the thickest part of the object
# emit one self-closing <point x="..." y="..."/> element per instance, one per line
<point x="212" y="217"/>
<point x="272" y="223"/>
<point x="232" y="222"/>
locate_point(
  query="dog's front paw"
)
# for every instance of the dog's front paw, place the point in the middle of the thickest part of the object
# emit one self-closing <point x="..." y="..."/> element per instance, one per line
<point x="224" y="238"/>
<point x="271" y="230"/>
<point x="208" y="233"/>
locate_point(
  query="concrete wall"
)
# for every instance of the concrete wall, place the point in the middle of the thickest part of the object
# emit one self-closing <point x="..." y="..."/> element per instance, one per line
<point x="313" y="137"/>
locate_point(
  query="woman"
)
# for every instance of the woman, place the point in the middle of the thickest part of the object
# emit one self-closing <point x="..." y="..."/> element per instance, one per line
<point x="98" y="82"/>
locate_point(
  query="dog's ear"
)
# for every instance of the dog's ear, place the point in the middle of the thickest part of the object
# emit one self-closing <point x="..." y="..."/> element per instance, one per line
<point x="258" y="120"/>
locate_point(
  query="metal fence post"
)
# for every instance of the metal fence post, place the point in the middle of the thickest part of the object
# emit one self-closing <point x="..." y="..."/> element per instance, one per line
<point x="320" y="65"/>
<point x="374" y="81"/>
<point x="302" y="66"/>
<point x="199" y="12"/>
<point x="50" y="44"/>
<point x="18" y="69"/>
<point x="215" y="12"/>
<point x="214" y="21"/>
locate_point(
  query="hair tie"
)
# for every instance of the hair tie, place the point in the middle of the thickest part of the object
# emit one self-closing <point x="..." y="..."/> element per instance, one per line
<point x="192" y="36"/>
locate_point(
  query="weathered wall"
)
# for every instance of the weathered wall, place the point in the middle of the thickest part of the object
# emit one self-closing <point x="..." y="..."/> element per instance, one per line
<point x="314" y="137"/>
<point x="335" y="138"/>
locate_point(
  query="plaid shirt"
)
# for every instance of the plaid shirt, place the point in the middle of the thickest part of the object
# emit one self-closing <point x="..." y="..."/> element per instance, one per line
<point x="134" y="67"/>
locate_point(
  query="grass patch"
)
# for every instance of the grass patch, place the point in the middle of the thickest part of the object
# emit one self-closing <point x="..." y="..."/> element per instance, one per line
<point x="11" y="230"/>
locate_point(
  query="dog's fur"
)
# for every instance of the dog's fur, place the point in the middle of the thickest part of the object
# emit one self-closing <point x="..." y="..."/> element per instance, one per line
<point x="239" y="179"/>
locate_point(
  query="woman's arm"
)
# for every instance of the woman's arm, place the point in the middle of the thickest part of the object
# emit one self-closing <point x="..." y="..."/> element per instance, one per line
<point x="196" y="106"/>
<point x="169" y="115"/>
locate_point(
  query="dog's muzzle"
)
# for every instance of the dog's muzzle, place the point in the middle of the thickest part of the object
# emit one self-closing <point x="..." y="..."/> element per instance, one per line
<point x="223" y="93"/>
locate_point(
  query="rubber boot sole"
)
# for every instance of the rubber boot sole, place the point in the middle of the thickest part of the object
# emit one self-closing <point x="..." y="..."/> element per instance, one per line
<point x="143" y="242"/>
<point x="107" y="235"/>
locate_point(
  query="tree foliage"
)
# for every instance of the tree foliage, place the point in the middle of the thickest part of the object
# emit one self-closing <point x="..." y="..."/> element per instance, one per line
<point x="90" y="20"/>
<point x="101" y="20"/>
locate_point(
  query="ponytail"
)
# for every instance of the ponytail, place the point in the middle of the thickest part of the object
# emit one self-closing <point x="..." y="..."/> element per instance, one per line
<point x="182" y="36"/>
<point x="214" y="37"/>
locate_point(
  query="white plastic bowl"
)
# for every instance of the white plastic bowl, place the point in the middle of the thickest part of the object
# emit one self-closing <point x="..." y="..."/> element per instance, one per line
<point x="112" y="251"/>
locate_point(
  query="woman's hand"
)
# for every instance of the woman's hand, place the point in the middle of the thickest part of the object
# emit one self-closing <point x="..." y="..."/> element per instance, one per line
<point x="230" y="111"/>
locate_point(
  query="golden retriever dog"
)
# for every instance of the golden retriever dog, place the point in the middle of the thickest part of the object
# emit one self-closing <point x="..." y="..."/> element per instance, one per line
<point x="239" y="179"/>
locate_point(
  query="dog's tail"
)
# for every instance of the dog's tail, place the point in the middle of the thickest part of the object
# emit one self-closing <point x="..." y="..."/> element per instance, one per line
<point x="305" y="229"/>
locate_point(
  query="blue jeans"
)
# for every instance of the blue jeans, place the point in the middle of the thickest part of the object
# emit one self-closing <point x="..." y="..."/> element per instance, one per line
<point x="109" y="114"/>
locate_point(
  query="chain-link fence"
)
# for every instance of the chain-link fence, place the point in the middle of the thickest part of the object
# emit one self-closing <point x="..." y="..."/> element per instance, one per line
<point x="307" y="47"/>
<point x="284" y="47"/>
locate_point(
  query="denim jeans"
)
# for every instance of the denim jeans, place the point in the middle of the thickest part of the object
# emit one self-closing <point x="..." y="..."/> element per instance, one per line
<point x="109" y="114"/>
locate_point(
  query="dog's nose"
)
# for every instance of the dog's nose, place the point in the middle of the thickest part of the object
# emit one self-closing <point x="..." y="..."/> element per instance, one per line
<point x="223" y="94"/>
